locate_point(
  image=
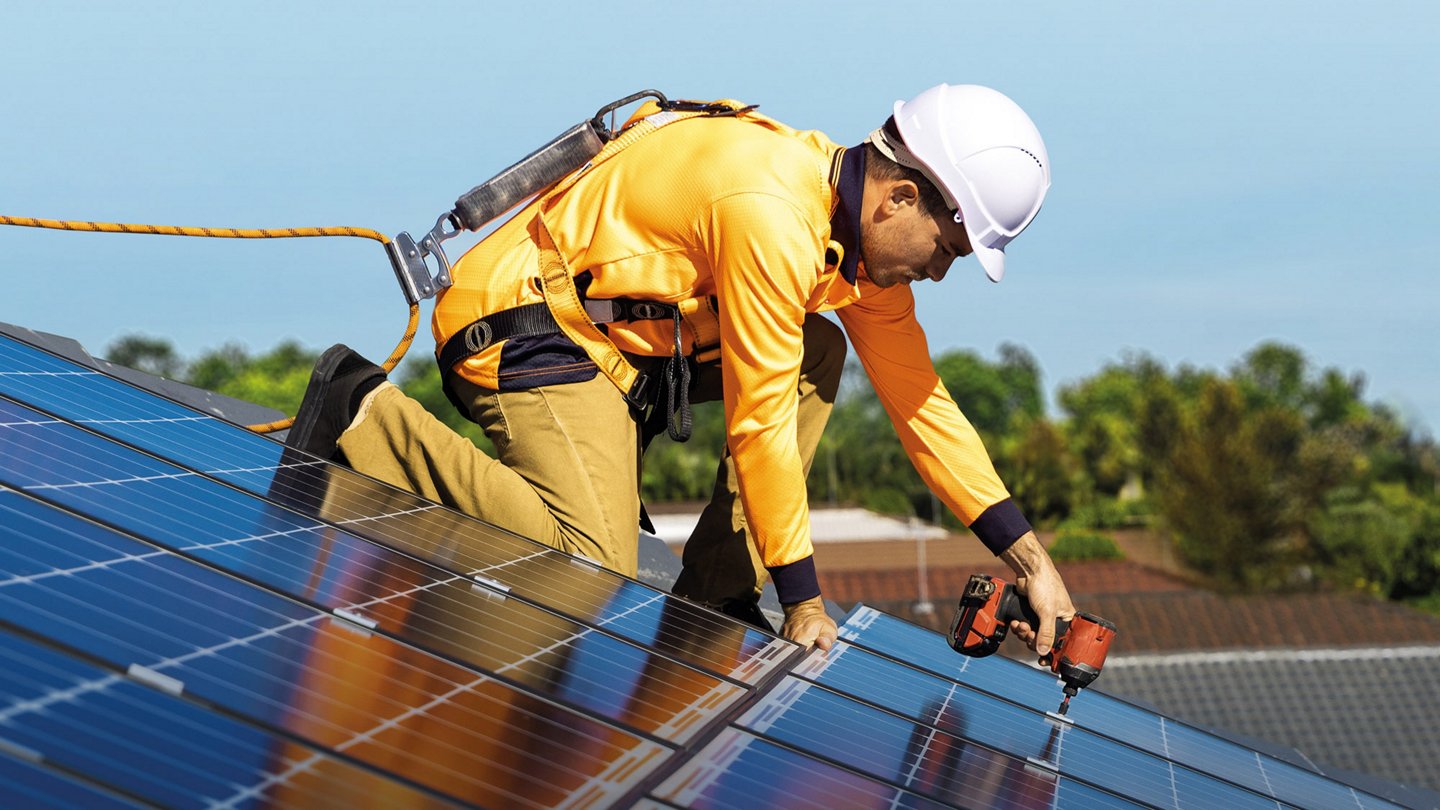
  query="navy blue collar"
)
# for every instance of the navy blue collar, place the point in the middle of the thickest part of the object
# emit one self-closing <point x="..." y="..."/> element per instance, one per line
<point x="845" y="223"/>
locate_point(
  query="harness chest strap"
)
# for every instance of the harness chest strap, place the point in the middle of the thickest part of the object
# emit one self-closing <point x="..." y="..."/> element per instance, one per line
<point x="558" y="284"/>
<point x="563" y="299"/>
<point x="565" y="312"/>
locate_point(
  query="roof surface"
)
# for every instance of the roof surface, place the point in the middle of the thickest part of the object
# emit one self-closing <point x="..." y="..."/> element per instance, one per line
<point x="194" y="614"/>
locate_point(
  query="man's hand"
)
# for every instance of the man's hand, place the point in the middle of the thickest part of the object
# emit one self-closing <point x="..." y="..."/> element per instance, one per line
<point x="807" y="624"/>
<point x="1037" y="579"/>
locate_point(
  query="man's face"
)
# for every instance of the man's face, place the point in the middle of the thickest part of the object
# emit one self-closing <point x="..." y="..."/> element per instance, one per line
<point x="909" y="245"/>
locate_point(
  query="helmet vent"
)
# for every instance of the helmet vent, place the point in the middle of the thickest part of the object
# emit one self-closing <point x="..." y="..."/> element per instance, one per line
<point x="1032" y="157"/>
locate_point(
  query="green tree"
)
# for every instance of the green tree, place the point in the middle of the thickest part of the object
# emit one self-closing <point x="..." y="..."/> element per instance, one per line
<point x="1222" y="490"/>
<point x="1043" y="472"/>
<point x="275" y="379"/>
<point x="1359" y="542"/>
<point x="1105" y="422"/>
<point x="152" y="355"/>
<point x="996" y="397"/>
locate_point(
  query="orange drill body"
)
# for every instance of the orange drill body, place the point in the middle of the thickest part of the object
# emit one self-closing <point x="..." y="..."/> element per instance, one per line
<point x="982" y="620"/>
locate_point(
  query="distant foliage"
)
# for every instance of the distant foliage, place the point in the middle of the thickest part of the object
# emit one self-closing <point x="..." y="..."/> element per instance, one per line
<point x="1078" y="544"/>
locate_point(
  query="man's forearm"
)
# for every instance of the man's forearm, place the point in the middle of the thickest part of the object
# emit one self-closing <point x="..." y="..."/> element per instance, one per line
<point x="1026" y="557"/>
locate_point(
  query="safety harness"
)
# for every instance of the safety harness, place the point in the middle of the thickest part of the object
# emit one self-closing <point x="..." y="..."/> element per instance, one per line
<point x="565" y="311"/>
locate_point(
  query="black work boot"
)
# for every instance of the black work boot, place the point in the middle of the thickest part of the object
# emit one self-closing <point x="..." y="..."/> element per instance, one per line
<point x="338" y="384"/>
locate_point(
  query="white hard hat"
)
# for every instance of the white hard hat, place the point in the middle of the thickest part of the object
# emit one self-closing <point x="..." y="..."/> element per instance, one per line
<point x="986" y="157"/>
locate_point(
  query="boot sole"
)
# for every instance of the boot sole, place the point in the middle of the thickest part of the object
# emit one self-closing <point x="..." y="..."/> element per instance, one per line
<point x="313" y="405"/>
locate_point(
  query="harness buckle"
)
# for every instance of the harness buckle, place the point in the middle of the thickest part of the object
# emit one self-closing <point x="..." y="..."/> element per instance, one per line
<point x="650" y="311"/>
<point x="639" y="394"/>
<point x="603" y="310"/>
<point x="478" y="336"/>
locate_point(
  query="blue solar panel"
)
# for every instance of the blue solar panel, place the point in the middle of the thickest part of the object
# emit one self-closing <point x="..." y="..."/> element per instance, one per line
<point x="333" y="497"/>
<point x="295" y="670"/>
<point x="741" y="771"/>
<point x="1023" y="732"/>
<point x="191" y="614"/>
<point x="26" y="783"/>
<point x="446" y="614"/>
<point x="1205" y="756"/>
<point x="164" y="750"/>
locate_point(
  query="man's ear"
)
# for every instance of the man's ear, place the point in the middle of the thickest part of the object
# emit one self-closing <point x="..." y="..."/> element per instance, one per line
<point x="901" y="194"/>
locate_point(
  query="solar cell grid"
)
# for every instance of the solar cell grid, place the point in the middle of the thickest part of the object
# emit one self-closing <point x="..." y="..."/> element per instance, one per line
<point x="457" y="618"/>
<point x="1104" y="715"/>
<point x="461" y="545"/>
<point x="913" y="756"/>
<point x="573" y="664"/>
<point x="182" y="628"/>
<point x="952" y="707"/>
<point x="165" y="750"/>
<point x="37" y="787"/>
<point x="741" y="771"/>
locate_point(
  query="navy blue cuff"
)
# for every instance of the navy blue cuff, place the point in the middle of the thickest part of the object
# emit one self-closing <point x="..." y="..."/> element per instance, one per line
<point x="795" y="582"/>
<point x="1000" y="526"/>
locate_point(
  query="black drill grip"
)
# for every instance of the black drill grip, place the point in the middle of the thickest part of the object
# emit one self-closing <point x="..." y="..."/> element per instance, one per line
<point x="533" y="174"/>
<point x="1014" y="606"/>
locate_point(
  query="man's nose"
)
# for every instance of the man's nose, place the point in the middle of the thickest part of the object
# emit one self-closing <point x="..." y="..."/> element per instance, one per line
<point x="939" y="268"/>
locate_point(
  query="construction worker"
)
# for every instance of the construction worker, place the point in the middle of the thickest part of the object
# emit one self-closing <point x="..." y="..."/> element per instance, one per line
<point x="706" y="239"/>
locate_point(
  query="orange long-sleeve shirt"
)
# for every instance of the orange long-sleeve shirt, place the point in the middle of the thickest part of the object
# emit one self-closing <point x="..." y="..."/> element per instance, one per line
<point x="739" y="208"/>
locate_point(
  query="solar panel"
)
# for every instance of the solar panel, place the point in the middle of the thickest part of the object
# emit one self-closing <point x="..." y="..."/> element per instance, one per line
<point x="338" y="497"/>
<point x="184" y="629"/>
<point x="191" y="614"/>
<point x="160" y="749"/>
<point x="372" y="586"/>
<point x="39" y="787"/>
<point x="1205" y="755"/>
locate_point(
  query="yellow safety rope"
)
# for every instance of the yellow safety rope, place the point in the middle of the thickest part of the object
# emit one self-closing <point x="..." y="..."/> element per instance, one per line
<point x="232" y="233"/>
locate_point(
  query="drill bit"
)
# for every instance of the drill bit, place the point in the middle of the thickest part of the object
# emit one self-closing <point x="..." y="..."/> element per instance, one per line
<point x="1070" y="692"/>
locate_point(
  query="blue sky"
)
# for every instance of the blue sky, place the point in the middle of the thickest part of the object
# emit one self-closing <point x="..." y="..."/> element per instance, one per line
<point x="1225" y="173"/>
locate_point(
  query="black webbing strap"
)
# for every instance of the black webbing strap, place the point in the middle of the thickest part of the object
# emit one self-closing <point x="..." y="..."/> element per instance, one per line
<point x="523" y="321"/>
<point x="536" y="319"/>
<point x="676" y="366"/>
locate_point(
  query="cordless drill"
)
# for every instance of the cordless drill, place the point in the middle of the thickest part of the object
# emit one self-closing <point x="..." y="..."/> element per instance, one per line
<point x="982" y="619"/>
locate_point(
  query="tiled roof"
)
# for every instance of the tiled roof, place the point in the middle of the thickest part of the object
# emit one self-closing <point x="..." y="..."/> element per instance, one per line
<point x="1369" y="709"/>
<point x="1157" y="612"/>
<point x="873" y="585"/>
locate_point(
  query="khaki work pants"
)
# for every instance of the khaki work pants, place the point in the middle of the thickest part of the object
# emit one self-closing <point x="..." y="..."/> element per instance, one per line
<point x="568" y="467"/>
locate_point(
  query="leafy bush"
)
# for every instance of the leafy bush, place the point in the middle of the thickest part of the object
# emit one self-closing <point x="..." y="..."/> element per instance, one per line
<point x="1077" y="544"/>
<point x="1109" y="513"/>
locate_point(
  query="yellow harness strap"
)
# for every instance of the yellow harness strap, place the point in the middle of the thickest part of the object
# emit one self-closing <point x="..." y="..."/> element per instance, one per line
<point x="702" y="319"/>
<point x="563" y="299"/>
<point x="558" y="283"/>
